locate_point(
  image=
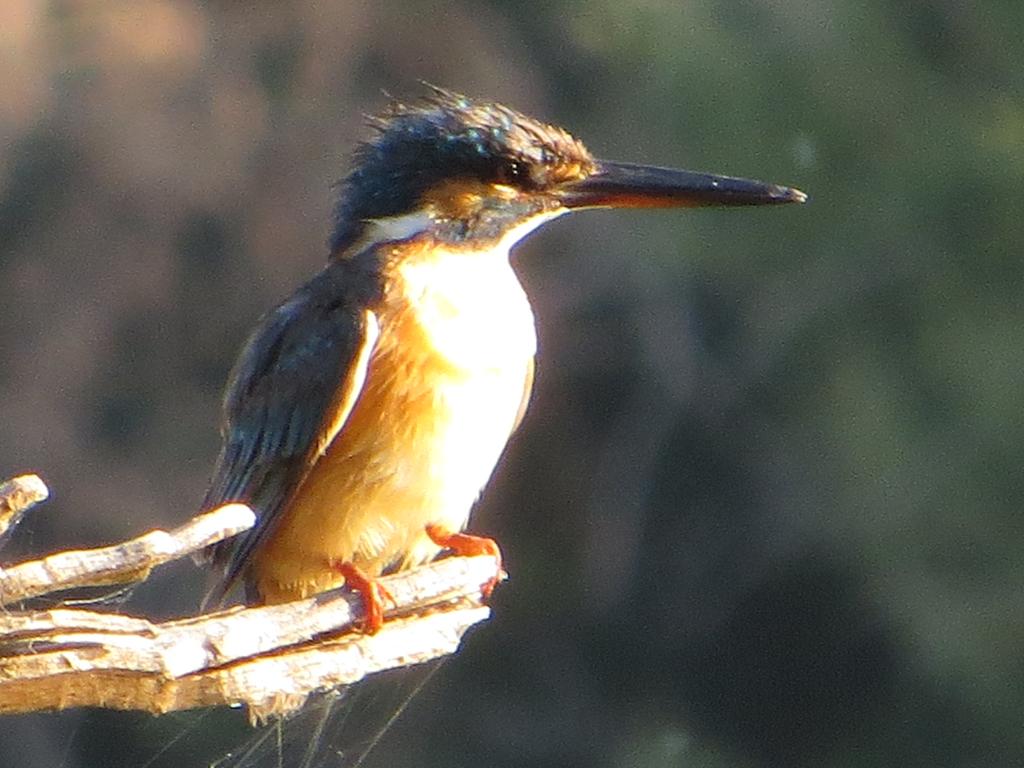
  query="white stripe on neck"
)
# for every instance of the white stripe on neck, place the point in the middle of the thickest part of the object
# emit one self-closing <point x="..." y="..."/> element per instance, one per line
<point x="409" y="225"/>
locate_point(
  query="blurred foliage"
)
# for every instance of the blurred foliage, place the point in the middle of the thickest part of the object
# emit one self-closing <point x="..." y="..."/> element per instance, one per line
<point x="765" y="508"/>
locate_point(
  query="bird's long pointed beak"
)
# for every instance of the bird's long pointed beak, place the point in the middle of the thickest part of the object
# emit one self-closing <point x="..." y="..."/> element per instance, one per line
<point x="625" y="185"/>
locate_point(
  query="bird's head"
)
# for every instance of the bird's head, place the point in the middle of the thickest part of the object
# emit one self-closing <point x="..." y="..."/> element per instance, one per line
<point x="478" y="173"/>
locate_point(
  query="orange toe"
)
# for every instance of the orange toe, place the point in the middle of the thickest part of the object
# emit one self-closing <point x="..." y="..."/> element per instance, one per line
<point x="373" y="595"/>
<point x="467" y="545"/>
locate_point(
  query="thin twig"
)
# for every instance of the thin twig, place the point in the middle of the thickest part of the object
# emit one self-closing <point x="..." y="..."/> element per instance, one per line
<point x="121" y="563"/>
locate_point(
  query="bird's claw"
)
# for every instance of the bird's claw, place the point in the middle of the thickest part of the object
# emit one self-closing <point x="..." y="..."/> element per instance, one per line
<point x="467" y="545"/>
<point x="373" y="594"/>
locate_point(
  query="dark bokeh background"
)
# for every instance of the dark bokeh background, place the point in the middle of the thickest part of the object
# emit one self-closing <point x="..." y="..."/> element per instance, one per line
<point x="765" y="508"/>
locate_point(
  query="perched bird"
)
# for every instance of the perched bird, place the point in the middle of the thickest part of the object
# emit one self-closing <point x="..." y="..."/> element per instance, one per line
<point x="366" y="412"/>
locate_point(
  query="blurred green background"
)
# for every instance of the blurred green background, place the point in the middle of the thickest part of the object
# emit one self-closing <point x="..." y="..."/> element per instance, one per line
<point x="765" y="508"/>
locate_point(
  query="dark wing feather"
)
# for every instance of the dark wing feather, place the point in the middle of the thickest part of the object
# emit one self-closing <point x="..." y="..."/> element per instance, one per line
<point x="289" y="395"/>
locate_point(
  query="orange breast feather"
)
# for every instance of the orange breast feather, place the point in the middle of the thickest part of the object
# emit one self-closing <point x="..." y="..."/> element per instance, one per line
<point x="443" y="390"/>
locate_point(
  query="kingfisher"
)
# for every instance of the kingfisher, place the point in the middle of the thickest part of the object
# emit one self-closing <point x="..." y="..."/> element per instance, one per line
<point x="366" y="412"/>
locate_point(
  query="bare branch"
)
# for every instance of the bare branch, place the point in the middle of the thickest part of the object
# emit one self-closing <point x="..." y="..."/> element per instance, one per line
<point x="269" y="658"/>
<point x="121" y="563"/>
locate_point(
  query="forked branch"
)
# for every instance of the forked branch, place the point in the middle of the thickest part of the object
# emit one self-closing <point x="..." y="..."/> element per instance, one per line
<point x="268" y="658"/>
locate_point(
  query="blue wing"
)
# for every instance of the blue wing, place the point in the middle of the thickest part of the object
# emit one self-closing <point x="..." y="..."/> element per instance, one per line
<point x="289" y="395"/>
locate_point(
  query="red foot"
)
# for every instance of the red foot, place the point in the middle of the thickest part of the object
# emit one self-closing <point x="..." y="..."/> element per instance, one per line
<point x="373" y="594"/>
<point x="467" y="545"/>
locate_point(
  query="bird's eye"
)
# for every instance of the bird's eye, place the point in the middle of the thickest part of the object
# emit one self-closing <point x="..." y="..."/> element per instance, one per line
<point x="514" y="172"/>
